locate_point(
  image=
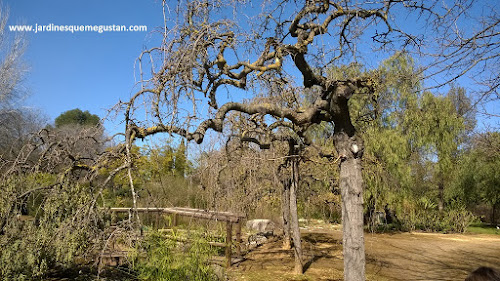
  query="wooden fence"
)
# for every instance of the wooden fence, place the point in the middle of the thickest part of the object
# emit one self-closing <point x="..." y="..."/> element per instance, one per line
<point x="231" y="220"/>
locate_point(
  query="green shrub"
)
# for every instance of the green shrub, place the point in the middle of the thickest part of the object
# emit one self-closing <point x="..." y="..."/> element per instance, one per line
<point x="458" y="220"/>
<point x="56" y="231"/>
<point x="167" y="259"/>
<point x="422" y="214"/>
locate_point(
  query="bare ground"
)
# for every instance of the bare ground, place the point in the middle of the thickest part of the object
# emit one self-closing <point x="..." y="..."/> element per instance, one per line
<point x="399" y="256"/>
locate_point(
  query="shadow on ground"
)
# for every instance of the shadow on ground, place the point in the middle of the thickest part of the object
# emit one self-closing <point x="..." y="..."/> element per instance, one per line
<point x="400" y="256"/>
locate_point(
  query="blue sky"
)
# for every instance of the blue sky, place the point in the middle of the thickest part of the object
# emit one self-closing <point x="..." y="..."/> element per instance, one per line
<point x="85" y="70"/>
<point x="88" y="70"/>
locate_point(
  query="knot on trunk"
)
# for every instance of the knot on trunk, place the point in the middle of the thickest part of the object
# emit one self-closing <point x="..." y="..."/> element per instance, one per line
<point x="348" y="147"/>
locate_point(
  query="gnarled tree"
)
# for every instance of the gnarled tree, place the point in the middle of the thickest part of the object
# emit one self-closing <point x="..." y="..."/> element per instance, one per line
<point x="208" y="58"/>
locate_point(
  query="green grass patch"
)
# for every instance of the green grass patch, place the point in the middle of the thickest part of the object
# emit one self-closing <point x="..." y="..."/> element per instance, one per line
<point x="481" y="228"/>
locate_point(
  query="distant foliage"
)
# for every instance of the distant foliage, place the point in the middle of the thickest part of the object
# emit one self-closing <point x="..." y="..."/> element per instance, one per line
<point x="478" y="180"/>
<point x="161" y="175"/>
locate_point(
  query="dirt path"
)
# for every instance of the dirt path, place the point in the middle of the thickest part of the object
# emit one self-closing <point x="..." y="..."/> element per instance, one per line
<point x="402" y="256"/>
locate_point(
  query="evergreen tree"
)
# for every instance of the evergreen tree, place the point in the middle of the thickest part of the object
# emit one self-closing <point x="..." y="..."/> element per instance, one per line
<point x="77" y="117"/>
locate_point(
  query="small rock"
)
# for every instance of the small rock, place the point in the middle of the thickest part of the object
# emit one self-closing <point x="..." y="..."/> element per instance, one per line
<point x="261" y="225"/>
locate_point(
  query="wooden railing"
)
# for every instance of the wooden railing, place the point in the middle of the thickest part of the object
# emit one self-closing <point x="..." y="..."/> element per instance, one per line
<point x="229" y="218"/>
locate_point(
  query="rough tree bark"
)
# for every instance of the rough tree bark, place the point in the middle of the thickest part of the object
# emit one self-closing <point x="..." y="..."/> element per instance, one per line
<point x="441" y="193"/>
<point x="289" y="177"/>
<point x="294" y="220"/>
<point x="285" y="208"/>
<point x="350" y="150"/>
<point x="351" y="184"/>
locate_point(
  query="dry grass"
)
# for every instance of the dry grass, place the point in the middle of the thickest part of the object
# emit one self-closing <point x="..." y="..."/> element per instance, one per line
<point x="397" y="256"/>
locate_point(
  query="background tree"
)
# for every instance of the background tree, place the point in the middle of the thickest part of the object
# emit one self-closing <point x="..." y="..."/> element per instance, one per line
<point x="487" y="155"/>
<point x="12" y="67"/>
<point x="17" y="123"/>
<point x="477" y="181"/>
<point x="17" y="127"/>
<point x="77" y="117"/>
<point x="76" y="122"/>
<point x="181" y="161"/>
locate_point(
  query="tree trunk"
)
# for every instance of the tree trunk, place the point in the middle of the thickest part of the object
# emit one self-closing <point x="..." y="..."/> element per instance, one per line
<point x="290" y="181"/>
<point x="285" y="212"/>
<point x="441" y="194"/>
<point x="350" y="150"/>
<point x="493" y="214"/>
<point x="282" y="176"/>
<point x="294" y="220"/>
<point x="351" y="185"/>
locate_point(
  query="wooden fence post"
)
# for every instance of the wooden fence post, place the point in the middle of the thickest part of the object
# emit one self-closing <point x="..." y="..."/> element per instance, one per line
<point x="238" y="238"/>
<point x="157" y="221"/>
<point x="229" y="238"/>
<point x="174" y="220"/>
<point x="113" y="218"/>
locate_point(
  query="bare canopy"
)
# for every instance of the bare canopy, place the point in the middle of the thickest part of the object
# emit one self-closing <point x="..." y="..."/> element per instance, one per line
<point x="209" y="63"/>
